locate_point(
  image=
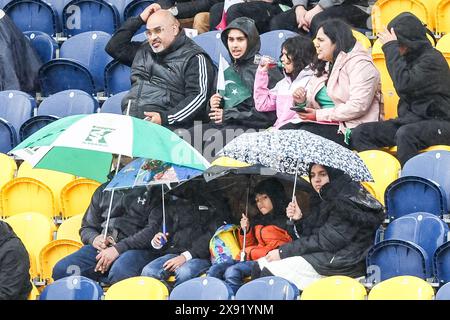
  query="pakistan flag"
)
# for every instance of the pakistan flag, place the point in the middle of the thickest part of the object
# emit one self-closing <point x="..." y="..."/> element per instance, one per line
<point x="230" y="85"/>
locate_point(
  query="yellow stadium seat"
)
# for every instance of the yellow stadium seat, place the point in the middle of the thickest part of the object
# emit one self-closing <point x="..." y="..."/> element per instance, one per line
<point x="70" y="229"/>
<point x="8" y="169"/>
<point x="443" y="46"/>
<point x="384" y="168"/>
<point x="335" y="288"/>
<point x="138" y="288"/>
<point x="27" y="195"/>
<point x="436" y="147"/>
<point x="361" y="38"/>
<point x="52" y="253"/>
<point x="36" y="231"/>
<point x="76" y="196"/>
<point x="53" y="179"/>
<point x="385" y="10"/>
<point x="34" y="294"/>
<point x="442" y="16"/>
<point x="229" y="162"/>
<point x="402" y="288"/>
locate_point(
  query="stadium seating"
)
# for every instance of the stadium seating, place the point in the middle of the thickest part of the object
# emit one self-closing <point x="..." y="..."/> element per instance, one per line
<point x="117" y="78"/>
<point x="441" y="263"/>
<point x="202" y="288"/>
<point x="137" y="288"/>
<point x="271" y="42"/>
<point x="135" y="8"/>
<point x="33" y="15"/>
<point x="8" y="137"/>
<point x="443" y="293"/>
<point x="120" y="6"/>
<point x="36" y="231"/>
<point x="407" y="247"/>
<point x="267" y="288"/>
<point x="335" y="288"/>
<point x="442" y="16"/>
<point x="68" y="102"/>
<point x="384" y="168"/>
<point x="34" y="294"/>
<point x="70" y="229"/>
<point x="16" y="107"/>
<point x="81" y="65"/>
<point x="43" y="43"/>
<point x="113" y="103"/>
<point x="402" y="288"/>
<point x="72" y="288"/>
<point x="34" y="124"/>
<point x="213" y="45"/>
<point x="443" y="46"/>
<point x="89" y="15"/>
<point x="76" y="196"/>
<point x="361" y="38"/>
<point x="8" y="170"/>
<point x="414" y="194"/>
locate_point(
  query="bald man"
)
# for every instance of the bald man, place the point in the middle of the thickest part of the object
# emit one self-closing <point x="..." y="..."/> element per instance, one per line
<point x="171" y="76"/>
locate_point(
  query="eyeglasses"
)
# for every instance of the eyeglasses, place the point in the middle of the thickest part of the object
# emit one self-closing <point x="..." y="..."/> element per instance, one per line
<point x="156" y="31"/>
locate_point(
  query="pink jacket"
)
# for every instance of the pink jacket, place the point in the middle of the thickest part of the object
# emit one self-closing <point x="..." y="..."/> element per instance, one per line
<point x="354" y="86"/>
<point x="280" y="97"/>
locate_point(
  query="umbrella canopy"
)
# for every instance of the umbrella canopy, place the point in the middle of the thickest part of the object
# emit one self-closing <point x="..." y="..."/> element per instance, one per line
<point x="142" y="172"/>
<point x="83" y="145"/>
<point x="291" y="151"/>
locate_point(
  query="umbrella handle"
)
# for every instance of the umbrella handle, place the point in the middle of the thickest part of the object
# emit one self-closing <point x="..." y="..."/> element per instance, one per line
<point x="163" y="241"/>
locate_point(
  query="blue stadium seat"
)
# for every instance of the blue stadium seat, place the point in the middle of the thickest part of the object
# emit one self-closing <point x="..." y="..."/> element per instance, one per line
<point x="202" y="288"/>
<point x="271" y="42"/>
<point x="441" y="263"/>
<point x="268" y="288"/>
<point x="8" y="138"/>
<point x="72" y="288"/>
<point x="3" y="3"/>
<point x="120" y="6"/>
<point x="432" y="165"/>
<point x="16" y="107"/>
<point x="407" y="247"/>
<point x="113" y="104"/>
<point x="68" y="102"/>
<point x="33" y="15"/>
<point x="58" y="6"/>
<point x="443" y="292"/>
<point x="34" y="124"/>
<point x="44" y="44"/>
<point x="89" y="15"/>
<point x="139" y="37"/>
<point x="81" y="65"/>
<point x="414" y="194"/>
<point x="213" y="45"/>
<point x="117" y="78"/>
<point x="135" y="8"/>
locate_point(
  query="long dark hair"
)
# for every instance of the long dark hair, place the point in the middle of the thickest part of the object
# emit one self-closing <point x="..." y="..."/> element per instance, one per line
<point x="300" y="50"/>
<point x="340" y="34"/>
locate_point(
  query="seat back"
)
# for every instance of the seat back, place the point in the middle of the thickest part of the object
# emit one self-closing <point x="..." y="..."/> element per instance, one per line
<point x="442" y="15"/>
<point x="16" y="107"/>
<point x="8" y="138"/>
<point x="68" y="102"/>
<point x="441" y="263"/>
<point x="384" y="169"/>
<point x="34" y="124"/>
<point x="335" y="288"/>
<point x="137" y="288"/>
<point x="76" y="196"/>
<point x="135" y="8"/>
<point x="120" y="6"/>
<point x="268" y="288"/>
<point x="414" y="194"/>
<point x="8" y="170"/>
<point x="202" y="288"/>
<point x="443" y="46"/>
<point x="210" y="42"/>
<point x="402" y="288"/>
<point x="443" y="292"/>
<point x="114" y="103"/>
<point x="271" y="42"/>
<point x="117" y="78"/>
<point x="361" y="38"/>
<point x="43" y="43"/>
<point x="72" y="288"/>
<point x="70" y="229"/>
<point x="90" y="15"/>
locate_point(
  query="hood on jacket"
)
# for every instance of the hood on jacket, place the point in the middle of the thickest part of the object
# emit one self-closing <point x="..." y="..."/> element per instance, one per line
<point x="248" y="27"/>
<point x="410" y="32"/>
<point x="274" y="189"/>
<point x="6" y="232"/>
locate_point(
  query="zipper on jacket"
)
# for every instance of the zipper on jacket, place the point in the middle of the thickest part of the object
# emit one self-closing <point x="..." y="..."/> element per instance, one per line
<point x="331" y="261"/>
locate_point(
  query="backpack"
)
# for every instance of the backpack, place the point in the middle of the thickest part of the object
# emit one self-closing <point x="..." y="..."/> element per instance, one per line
<point x="224" y="245"/>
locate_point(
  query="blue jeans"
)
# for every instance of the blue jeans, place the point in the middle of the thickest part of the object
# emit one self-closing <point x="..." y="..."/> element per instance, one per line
<point x="190" y="269"/>
<point x="232" y="273"/>
<point x="128" y="264"/>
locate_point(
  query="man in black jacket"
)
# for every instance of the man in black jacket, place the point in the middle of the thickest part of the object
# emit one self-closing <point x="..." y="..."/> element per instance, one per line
<point x="421" y="78"/>
<point x="171" y="76"/>
<point x="126" y="249"/>
<point x="14" y="266"/>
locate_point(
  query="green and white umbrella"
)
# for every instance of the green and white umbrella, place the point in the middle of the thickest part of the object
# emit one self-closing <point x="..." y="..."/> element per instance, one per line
<point x="83" y="145"/>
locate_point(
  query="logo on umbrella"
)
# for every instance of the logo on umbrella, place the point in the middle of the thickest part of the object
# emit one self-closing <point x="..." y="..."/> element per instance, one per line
<point x="97" y="135"/>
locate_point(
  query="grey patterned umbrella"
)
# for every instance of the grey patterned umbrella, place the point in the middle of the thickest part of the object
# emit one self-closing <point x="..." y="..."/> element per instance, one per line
<point x="291" y="151"/>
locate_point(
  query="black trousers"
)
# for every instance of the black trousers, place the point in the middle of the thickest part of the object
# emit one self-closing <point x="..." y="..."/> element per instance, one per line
<point x="351" y="14"/>
<point x="261" y="12"/>
<point x="409" y="138"/>
<point x="326" y="131"/>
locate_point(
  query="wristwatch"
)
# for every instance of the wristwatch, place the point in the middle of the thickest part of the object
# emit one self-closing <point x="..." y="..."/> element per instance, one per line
<point x="173" y="10"/>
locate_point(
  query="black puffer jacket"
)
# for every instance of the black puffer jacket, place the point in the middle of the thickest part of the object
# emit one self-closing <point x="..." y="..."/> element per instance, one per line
<point x="337" y="233"/>
<point x="421" y="77"/>
<point x="14" y="266"/>
<point x="245" y="113"/>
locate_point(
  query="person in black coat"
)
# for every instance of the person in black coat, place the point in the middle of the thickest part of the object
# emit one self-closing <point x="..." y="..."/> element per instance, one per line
<point x="334" y="235"/>
<point x="421" y="78"/>
<point x="14" y="266"/>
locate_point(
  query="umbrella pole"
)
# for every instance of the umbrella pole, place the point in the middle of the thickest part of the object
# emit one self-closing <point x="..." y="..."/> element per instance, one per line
<point x="111" y="200"/>
<point x="163" y="242"/>
<point x="293" y="189"/>
<point x="245" y="230"/>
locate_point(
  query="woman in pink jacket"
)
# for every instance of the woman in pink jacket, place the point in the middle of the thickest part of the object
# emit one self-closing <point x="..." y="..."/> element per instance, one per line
<point x="345" y="90"/>
<point x="297" y="54"/>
